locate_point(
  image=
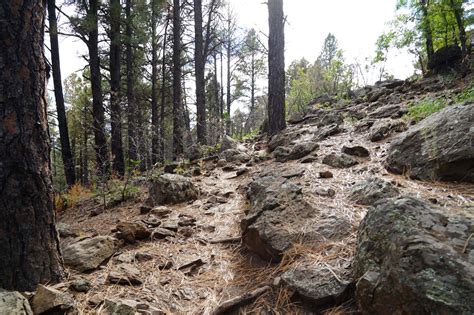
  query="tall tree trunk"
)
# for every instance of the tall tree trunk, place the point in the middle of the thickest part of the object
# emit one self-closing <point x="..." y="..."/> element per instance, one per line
<point x="276" y="67"/>
<point x="177" y="92"/>
<point x="229" y="82"/>
<point x="68" y="158"/>
<point x="155" y="135"/>
<point x="118" y="164"/>
<point x="29" y="244"/>
<point x="131" y="108"/>
<point x="163" y="93"/>
<point x="96" y="86"/>
<point x="427" y="29"/>
<point x="457" y="10"/>
<point x="85" y="140"/>
<point x="199" y="60"/>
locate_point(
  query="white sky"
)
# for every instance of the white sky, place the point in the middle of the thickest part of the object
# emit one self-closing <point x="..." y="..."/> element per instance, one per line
<point x="355" y="23"/>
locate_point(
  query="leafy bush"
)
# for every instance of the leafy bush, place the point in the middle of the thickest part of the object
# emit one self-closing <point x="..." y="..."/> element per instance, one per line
<point x="465" y="95"/>
<point x="425" y="108"/>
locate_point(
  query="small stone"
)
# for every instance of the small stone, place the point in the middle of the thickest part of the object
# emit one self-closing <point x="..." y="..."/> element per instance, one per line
<point x="358" y="151"/>
<point x="160" y="233"/>
<point x="161" y="211"/>
<point x="242" y="171"/>
<point x="141" y="257"/>
<point x="14" y="303"/>
<point x="145" y="209"/>
<point x="81" y="285"/>
<point x="170" y="224"/>
<point x="326" y="192"/>
<point x="49" y="299"/>
<point x="125" y="274"/>
<point x="228" y="168"/>
<point x="326" y="174"/>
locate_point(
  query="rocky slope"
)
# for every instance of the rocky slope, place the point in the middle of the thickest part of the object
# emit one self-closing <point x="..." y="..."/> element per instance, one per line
<point x="353" y="208"/>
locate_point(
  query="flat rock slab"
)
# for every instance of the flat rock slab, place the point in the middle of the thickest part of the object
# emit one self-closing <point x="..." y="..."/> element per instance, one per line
<point x="48" y="299"/>
<point x="318" y="286"/>
<point x="371" y="190"/>
<point x="88" y="254"/>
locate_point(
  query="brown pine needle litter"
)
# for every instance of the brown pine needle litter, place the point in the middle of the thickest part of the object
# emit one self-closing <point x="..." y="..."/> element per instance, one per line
<point x="229" y="270"/>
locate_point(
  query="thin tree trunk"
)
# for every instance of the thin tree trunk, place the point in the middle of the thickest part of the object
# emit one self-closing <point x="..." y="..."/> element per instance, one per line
<point x="229" y="82"/>
<point x="131" y="108"/>
<point x="276" y="67"/>
<point x="427" y="30"/>
<point x="163" y="93"/>
<point x="155" y="140"/>
<point x="252" y="92"/>
<point x="199" y="60"/>
<point x="68" y="158"/>
<point x="97" y="98"/>
<point x="85" y="167"/>
<point x="118" y="164"/>
<point x="222" y="95"/>
<point x="177" y="92"/>
<point x="29" y="244"/>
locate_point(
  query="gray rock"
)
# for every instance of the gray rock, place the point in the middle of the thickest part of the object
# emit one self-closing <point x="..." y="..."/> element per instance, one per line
<point x="81" y="285"/>
<point x="14" y="303"/>
<point x="47" y="300"/>
<point x="318" y="286"/>
<point x="228" y="143"/>
<point x="125" y="274"/>
<point x="358" y="151"/>
<point x="278" y="216"/>
<point x="122" y="307"/>
<point x="339" y="161"/>
<point x="384" y="128"/>
<point x="87" y="254"/>
<point x="235" y="155"/>
<point x="394" y="111"/>
<point x="408" y="262"/>
<point x="171" y="189"/>
<point x="371" y="190"/>
<point x="439" y="147"/>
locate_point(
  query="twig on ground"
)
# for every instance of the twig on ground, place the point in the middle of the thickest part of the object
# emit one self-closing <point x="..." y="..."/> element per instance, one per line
<point x="240" y="300"/>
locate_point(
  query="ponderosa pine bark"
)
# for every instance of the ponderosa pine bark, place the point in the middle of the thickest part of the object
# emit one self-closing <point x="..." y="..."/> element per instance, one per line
<point x="155" y="141"/>
<point x="118" y="164"/>
<point x="67" y="156"/>
<point x="199" y="60"/>
<point x="98" y="114"/>
<point x="276" y="67"/>
<point x="177" y="91"/>
<point x="131" y="107"/>
<point x="426" y="25"/>
<point x="29" y="244"/>
<point x="458" y="14"/>
<point x="163" y="91"/>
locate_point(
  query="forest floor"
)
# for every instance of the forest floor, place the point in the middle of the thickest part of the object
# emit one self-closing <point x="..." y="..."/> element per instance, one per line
<point x="204" y="263"/>
<point x="226" y="269"/>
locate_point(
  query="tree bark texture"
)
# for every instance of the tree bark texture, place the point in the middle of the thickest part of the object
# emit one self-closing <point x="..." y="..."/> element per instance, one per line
<point x="97" y="97"/>
<point x="131" y="100"/>
<point x="155" y="141"/>
<point x="199" y="59"/>
<point x="118" y="164"/>
<point x="276" y="67"/>
<point x="29" y="244"/>
<point x="178" y="122"/>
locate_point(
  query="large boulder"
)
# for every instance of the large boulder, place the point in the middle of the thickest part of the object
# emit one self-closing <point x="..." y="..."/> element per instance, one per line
<point x="339" y="160"/>
<point x="89" y="253"/>
<point x="14" y="303"/>
<point x="445" y="57"/>
<point x="278" y="216"/>
<point x="440" y="147"/>
<point x="171" y="189"/>
<point x="412" y="258"/>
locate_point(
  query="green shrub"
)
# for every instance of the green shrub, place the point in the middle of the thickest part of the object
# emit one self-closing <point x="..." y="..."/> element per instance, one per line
<point x="425" y="108"/>
<point x="465" y="95"/>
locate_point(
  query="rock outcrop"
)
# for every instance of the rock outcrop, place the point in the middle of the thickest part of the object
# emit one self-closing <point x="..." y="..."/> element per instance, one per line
<point x="440" y="147"/>
<point x="48" y="300"/>
<point x="413" y="259"/>
<point x="372" y="190"/>
<point x="279" y="217"/>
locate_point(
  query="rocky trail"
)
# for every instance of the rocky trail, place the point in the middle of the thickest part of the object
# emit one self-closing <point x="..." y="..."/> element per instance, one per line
<point x="352" y="209"/>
